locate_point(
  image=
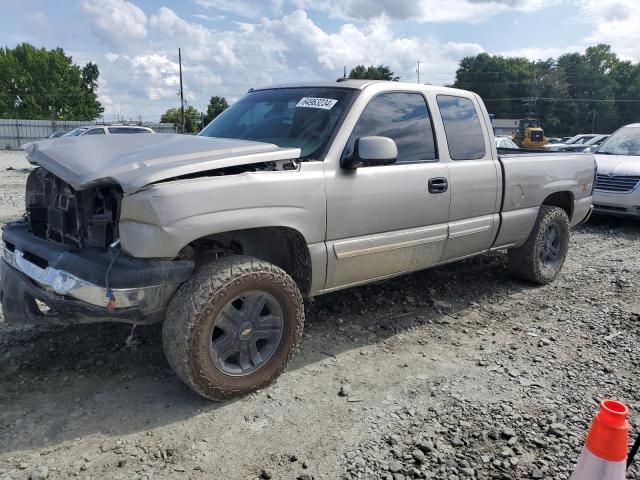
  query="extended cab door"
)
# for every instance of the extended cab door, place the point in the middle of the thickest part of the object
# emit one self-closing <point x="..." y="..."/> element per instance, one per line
<point x="475" y="177"/>
<point x="385" y="220"/>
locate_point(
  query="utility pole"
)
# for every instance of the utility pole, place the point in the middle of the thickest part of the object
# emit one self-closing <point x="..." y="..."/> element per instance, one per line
<point x="418" y="70"/>
<point x="344" y="72"/>
<point x="533" y="76"/>
<point x="17" y="104"/>
<point x="181" y="91"/>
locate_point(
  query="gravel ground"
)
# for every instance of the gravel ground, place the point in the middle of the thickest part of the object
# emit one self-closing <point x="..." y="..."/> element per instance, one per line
<point x="454" y="373"/>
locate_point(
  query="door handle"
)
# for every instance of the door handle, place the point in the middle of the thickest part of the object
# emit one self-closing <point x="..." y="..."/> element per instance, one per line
<point x="438" y="185"/>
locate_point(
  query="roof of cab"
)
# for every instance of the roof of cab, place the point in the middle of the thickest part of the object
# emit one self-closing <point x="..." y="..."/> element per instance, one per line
<point x="349" y="84"/>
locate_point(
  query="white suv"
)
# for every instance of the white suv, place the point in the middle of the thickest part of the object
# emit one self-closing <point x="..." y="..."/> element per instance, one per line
<point x="617" y="189"/>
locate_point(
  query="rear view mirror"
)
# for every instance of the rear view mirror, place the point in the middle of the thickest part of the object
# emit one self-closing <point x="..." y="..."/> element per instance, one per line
<point x="371" y="151"/>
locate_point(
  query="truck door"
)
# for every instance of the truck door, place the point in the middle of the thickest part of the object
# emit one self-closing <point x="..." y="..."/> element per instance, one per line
<point x="476" y="182"/>
<point x="385" y="220"/>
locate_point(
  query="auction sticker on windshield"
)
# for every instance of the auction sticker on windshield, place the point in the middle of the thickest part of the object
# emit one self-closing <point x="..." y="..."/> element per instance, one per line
<point x="315" y="102"/>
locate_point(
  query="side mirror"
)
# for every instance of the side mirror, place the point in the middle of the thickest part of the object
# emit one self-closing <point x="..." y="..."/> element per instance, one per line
<point x="371" y="151"/>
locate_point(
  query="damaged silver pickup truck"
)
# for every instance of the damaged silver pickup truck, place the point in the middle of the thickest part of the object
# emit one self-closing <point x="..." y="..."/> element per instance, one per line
<point x="294" y="191"/>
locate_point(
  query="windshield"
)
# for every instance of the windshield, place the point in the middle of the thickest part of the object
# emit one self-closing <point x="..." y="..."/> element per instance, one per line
<point x="597" y="140"/>
<point x="582" y="140"/>
<point x="75" y="132"/>
<point x="303" y="118"/>
<point x="573" y="139"/>
<point x="625" y="141"/>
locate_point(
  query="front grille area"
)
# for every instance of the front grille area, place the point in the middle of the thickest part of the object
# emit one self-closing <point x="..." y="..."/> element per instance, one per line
<point x="617" y="183"/>
<point x="83" y="219"/>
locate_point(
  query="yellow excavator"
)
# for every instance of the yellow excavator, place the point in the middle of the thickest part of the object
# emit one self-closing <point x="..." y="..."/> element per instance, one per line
<point x="530" y="134"/>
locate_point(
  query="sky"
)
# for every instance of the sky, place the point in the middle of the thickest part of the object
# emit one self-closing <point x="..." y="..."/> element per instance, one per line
<point x="229" y="46"/>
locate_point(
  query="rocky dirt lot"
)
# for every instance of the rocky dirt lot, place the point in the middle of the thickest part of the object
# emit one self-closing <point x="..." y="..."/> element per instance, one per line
<point x="455" y="373"/>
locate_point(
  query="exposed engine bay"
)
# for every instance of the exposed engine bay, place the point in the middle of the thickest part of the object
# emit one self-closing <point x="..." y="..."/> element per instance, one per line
<point x="83" y="219"/>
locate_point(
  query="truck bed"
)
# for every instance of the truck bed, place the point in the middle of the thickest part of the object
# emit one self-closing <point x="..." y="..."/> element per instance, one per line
<point x="530" y="178"/>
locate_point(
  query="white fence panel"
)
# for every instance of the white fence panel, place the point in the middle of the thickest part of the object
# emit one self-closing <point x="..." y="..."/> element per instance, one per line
<point x="15" y="132"/>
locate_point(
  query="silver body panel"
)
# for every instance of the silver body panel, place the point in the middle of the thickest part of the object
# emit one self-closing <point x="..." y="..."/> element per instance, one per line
<point x="133" y="161"/>
<point x="360" y="225"/>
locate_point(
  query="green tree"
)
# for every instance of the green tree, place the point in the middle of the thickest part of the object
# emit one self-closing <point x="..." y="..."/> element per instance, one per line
<point x="48" y="85"/>
<point x="498" y="80"/>
<point x="627" y="78"/>
<point x="191" y="118"/>
<point x="381" y="72"/>
<point x="575" y="93"/>
<point x="216" y="106"/>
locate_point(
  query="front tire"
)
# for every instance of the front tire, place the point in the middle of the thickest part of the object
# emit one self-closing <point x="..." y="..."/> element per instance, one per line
<point x="541" y="257"/>
<point x="233" y="326"/>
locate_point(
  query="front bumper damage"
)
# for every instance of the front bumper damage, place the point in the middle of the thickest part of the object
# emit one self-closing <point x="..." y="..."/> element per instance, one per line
<point x="46" y="282"/>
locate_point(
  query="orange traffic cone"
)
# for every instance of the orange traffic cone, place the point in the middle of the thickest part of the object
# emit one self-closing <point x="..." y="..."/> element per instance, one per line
<point x="605" y="451"/>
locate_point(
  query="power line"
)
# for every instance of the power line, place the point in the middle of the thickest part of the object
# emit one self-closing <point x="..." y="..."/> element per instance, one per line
<point x="550" y="99"/>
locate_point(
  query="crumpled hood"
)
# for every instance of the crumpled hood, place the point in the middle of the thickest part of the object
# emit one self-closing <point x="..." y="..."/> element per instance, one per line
<point x="618" y="164"/>
<point x="136" y="160"/>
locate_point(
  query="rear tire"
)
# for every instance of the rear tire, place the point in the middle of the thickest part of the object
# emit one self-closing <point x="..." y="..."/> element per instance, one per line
<point x="233" y="326"/>
<point x="541" y="257"/>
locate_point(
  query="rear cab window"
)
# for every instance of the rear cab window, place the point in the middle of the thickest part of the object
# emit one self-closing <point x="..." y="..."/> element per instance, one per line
<point x="465" y="137"/>
<point x="402" y="116"/>
<point x="95" y="131"/>
<point x="122" y="130"/>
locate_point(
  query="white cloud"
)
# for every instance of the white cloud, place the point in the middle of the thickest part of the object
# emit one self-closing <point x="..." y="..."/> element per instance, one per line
<point x="375" y="43"/>
<point x="535" y="53"/>
<point x="289" y="48"/>
<point x="210" y="18"/>
<point x="242" y="8"/>
<point x="117" y="22"/>
<point x="616" y="23"/>
<point x="162" y="74"/>
<point x="169" y="27"/>
<point x="421" y="10"/>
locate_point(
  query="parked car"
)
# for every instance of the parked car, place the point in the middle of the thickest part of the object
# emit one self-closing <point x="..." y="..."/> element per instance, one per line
<point x="505" y="142"/>
<point x="107" y="130"/>
<point x="588" y="146"/>
<point x="294" y="191"/>
<point x="575" y="140"/>
<point x="618" y="180"/>
<point x="57" y="134"/>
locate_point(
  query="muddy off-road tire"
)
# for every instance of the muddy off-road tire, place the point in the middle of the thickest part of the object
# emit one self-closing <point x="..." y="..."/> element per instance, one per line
<point x="541" y="258"/>
<point x="233" y="326"/>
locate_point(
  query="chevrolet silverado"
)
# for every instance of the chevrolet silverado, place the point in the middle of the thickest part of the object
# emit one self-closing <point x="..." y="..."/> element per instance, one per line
<point x="294" y="191"/>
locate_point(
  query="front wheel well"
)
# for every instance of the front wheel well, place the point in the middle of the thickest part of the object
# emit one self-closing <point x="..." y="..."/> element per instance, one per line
<point x="282" y="246"/>
<point x="563" y="200"/>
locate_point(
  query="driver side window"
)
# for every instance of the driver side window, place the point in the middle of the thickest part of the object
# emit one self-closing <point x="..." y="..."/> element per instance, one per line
<point x="403" y="117"/>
